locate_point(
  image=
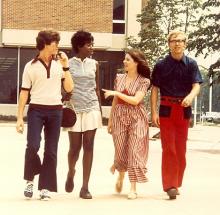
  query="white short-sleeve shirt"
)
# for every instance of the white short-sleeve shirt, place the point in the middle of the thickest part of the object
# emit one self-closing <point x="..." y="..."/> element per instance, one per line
<point x="43" y="82"/>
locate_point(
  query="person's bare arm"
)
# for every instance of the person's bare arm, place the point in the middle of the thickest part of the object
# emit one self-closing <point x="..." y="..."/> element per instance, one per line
<point x="21" y="105"/>
<point x="97" y="86"/>
<point x="68" y="81"/>
<point x="133" y="100"/>
<point x="187" y="101"/>
<point x="154" y="100"/>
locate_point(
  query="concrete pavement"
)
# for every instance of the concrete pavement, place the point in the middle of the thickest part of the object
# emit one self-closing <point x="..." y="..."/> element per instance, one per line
<point x="199" y="194"/>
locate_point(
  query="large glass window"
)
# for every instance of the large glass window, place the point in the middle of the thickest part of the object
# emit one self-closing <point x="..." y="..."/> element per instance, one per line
<point x="26" y="54"/>
<point x="110" y="62"/>
<point x="8" y="75"/>
<point x="119" y="9"/>
<point x="118" y="16"/>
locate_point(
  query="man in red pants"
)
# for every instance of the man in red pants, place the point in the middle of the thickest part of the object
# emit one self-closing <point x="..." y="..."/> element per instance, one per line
<point x="178" y="79"/>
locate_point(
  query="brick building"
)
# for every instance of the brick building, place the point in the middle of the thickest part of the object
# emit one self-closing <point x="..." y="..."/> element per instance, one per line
<point x="110" y="22"/>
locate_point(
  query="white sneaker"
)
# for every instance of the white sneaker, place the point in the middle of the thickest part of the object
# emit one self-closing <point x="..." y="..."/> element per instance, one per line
<point x="28" y="191"/>
<point x="45" y="195"/>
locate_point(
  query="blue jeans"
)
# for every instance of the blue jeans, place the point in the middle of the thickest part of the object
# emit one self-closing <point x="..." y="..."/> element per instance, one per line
<point x="50" y="119"/>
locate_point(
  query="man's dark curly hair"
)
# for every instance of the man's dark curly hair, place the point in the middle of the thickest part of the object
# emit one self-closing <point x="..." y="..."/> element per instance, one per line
<point x="79" y="39"/>
<point x="46" y="37"/>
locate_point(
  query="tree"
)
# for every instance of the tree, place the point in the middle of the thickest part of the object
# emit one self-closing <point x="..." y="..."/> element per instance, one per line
<point x="206" y="38"/>
<point x="203" y="97"/>
<point x="157" y="19"/>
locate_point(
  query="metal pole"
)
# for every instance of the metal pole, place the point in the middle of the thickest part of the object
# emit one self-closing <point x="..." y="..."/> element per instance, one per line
<point x="210" y="90"/>
<point x="195" y="111"/>
<point x="210" y="94"/>
<point x="18" y="73"/>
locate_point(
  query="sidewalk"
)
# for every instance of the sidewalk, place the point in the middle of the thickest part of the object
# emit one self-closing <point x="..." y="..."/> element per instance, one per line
<point x="199" y="194"/>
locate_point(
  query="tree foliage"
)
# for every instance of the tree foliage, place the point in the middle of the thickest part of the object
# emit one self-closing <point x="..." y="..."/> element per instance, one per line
<point x="206" y="38"/>
<point x="157" y="19"/>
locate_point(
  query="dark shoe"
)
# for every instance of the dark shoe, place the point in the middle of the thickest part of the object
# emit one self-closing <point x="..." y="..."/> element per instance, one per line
<point x="172" y="192"/>
<point x="69" y="185"/>
<point x="85" y="194"/>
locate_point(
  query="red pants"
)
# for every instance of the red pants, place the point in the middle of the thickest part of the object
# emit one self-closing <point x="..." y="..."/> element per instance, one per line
<point x="174" y="123"/>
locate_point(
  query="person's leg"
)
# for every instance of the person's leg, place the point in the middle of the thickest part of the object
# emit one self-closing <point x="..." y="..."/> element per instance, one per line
<point x="32" y="164"/>
<point x="181" y="139"/>
<point x="119" y="182"/>
<point x="88" y="145"/>
<point x="138" y="144"/>
<point x="133" y="187"/>
<point x="75" y="144"/>
<point x="174" y="129"/>
<point x="120" y="139"/>
<point x="169" y="158"/>
<point x="132" y="194"/>
<point x="48" y="176"/>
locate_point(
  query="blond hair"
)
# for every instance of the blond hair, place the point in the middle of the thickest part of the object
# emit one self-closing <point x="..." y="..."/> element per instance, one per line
<point x="175" y="33"/>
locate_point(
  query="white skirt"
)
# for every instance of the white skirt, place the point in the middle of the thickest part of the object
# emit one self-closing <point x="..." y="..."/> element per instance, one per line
<point x="86" y="121"/>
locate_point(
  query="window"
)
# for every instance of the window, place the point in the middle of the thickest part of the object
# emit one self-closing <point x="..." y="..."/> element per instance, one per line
<point x="119" y="10"/>
<point x="119" y="17"/>
<point x="26" y="55"/>
<point x="8" y="75"/>
<point x="118" y="28"/>
<point x="109" y="63"/>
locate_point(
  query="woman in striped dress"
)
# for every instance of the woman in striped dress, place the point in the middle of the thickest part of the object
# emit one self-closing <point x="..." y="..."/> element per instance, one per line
<point x="128" y="122"/>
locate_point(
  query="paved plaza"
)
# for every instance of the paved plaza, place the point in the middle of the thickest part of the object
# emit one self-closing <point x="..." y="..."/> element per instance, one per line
<point x="200" y="193"/>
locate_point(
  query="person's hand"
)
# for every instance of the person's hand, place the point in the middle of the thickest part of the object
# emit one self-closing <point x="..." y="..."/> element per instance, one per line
<point x="109" y="128"/>
<point x="108" y="93"/>
<point x="187" y="101"/>
<point x="62" y="57"/>
<point x="20" y="126"/>
<point x="155" y="120"/>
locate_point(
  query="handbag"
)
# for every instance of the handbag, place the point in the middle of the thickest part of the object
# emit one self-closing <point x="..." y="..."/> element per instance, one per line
<point x="69" y="115"/>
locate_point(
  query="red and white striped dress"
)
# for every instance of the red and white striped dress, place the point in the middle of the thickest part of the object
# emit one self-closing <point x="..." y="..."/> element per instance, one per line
<point x="130" y="130"/>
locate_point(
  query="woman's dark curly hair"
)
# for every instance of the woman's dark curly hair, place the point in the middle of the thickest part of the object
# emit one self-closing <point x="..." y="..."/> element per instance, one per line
<point x="46" y="37"/>
<point x="138" y="56"/>
<point x="79" y="39"/>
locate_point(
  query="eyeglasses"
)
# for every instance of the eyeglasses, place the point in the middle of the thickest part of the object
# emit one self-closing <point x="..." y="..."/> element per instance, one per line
<point x="177" y="41"/>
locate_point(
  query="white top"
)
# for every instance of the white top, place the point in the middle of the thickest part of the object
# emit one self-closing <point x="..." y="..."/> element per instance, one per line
<point x="43" y="82"/>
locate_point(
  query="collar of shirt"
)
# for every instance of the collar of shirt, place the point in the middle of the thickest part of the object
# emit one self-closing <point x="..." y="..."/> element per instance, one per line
<point x="79" y="59"/>
<point x="37" y="59"/>
<point x="183" y="59"/>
